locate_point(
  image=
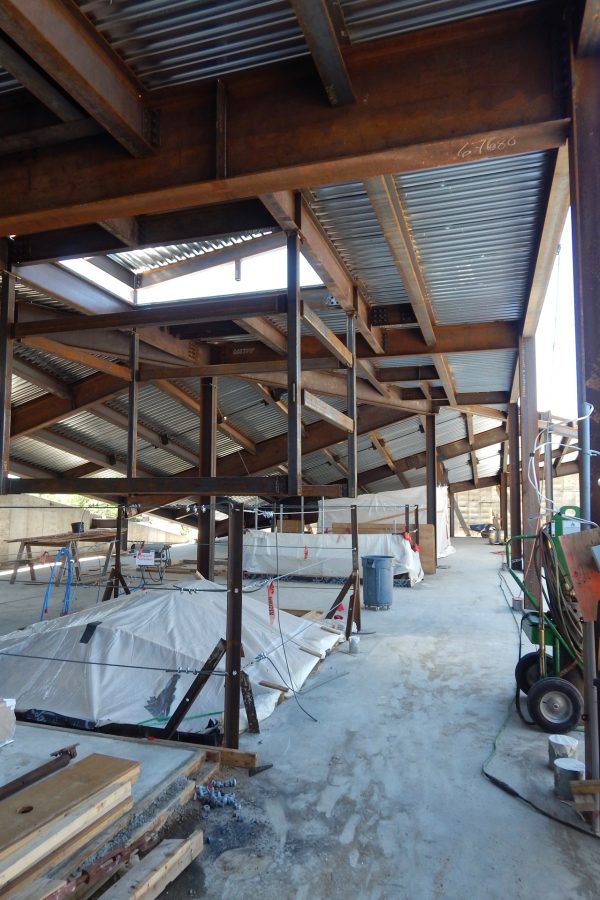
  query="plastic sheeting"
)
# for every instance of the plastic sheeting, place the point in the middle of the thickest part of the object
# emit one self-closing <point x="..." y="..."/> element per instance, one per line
<point x="324" y="555"/>
<point x="125" y="661"/>
<point x="388" y="507"/>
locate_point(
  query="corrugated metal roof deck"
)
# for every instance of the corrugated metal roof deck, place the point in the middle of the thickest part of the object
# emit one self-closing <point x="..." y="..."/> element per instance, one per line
<point x="369" y="19"/>
<point x="188" y="40"/>
<point x="476" y="227"/>
<point x="156" y="257"/>
<point x="346" y="214"/>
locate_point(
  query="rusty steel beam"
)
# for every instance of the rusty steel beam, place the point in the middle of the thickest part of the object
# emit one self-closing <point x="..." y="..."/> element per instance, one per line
<point x="65" y="45"/>
<point x="318" y="28"/>
<point x="112" y="235"/>
<point x="42" y="411"/>
<point x="442" y="115"/>
<point x="209" y="309"/>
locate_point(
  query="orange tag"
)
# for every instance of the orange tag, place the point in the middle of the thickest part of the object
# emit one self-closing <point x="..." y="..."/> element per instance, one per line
<point x="270" y="593"/>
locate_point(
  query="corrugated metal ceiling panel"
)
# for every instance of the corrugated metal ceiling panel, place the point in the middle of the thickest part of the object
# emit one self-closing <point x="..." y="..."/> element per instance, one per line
<point x="492" y="370"/>
<point x="156" y="257"/>
<point x="42" y="454"/>
<point x="369" y="19"/>
<point x="187" y="40"/>
<point x="346" y="214"/>
<point x="476" y="228"/>
<point x="22" y="391"/>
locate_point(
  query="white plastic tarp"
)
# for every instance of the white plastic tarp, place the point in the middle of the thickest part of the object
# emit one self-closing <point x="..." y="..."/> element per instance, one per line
<point x="324" y="555"/>
<point x="389" y="507"/>
<point x="126" y="660"/>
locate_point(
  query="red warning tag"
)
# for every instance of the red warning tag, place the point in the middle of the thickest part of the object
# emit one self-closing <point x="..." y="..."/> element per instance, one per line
<point x="305" y="552"/>
<point x="270" y="594"/>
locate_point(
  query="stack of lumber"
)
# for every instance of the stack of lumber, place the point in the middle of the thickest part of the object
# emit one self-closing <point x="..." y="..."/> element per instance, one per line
<point x="47" y="821"/>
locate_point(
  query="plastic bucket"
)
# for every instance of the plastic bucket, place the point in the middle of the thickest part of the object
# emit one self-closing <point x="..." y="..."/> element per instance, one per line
<point x="378" y="581"/>
<point x="77" y="527"/>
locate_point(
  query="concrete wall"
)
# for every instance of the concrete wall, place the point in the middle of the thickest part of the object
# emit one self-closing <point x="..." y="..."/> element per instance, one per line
<point x="28" y="516"/>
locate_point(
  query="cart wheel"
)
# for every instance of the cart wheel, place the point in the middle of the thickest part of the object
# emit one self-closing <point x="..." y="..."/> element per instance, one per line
<point x="527" y="670"/>
<point x="555" y="705"/>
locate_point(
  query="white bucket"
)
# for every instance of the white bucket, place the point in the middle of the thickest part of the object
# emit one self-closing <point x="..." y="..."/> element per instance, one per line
<point x="561" y="746"/>
<point x="566" y="770"/>
<point x="354" y="643"/>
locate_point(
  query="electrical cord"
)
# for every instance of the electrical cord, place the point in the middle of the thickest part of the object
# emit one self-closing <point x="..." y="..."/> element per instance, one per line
<point x="513" y="792"/>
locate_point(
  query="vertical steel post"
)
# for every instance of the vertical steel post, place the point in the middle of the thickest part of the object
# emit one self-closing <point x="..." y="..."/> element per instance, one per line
<point x="294" y="464"/>
<point x="430" y="474"/>
<point x="7" y="318"/>
<point x="548" y="487"/>
<point x="354" y="602"/>
<point x="504" y="503"/>
<point x="207" y="466"/>
<point x="584" y="176"/>
<point x="351" y="407"/>
<point x="233" y="659"/>
<point x="452" y="514"/>
<point x="516" y="548"/>
<point x="132" y="406"/>
<point x="118" y="549"/>
<point x="529" y="430"/>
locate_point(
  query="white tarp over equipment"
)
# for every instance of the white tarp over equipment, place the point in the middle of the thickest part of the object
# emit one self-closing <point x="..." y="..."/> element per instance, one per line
<point x="387" y="507"/>
<point x="125" y="661"/>
<point x="324" y="555"/>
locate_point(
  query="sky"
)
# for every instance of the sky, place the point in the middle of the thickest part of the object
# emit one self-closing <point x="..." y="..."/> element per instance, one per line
<point x="555" y="337"/>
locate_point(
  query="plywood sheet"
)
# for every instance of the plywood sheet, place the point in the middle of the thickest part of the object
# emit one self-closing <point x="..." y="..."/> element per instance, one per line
<point x="427" y="548"/>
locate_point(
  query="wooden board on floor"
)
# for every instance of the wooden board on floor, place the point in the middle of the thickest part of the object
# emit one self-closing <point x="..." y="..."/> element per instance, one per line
<point x="159" y="868"/>
<point x="24" y="889"/>
<point x="57" y="796"/>
<point x="58" y="842"/>
<point x="427" y="548"/>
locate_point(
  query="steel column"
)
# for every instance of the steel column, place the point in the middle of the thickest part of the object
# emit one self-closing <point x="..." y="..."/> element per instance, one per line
<point x="233" y="659"/>
<point x="431" y="473"/>
<point x="516" y="548"/>
<point x="452" y="515"/>
<point x="207" y="466"/>
<point x="294" y="366"/>
<point x="529" y="429"/>
<point x="504" y="503"/>
<point x="132" y="406"/>
<point x="7" y="317"/>
<point x="351" y="408"/>
<point x="584" y="170"/>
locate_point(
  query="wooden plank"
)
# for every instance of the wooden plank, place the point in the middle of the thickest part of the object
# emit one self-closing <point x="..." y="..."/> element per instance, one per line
<point x="275" y="686"/>
<point x="23" y="888"/>
<point x="57" y="796"/>
<point x="150" y="877"/>
<point x="592" y="786"/>
<point x="229" y="757"/>
<point x="427" y="550"/>
<point x="57" y="833"/>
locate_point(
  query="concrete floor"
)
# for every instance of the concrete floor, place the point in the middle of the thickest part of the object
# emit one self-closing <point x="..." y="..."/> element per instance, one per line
<point x="383" y="796"/>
